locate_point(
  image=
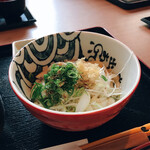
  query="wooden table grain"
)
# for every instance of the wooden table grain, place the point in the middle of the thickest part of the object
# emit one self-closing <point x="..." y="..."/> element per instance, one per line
<point x="68" y="15"/>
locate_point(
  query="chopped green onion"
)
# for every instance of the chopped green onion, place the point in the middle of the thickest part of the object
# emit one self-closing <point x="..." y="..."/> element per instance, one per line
<point x="103" y="77"/>
<point x="59" y="83"/>
<point x="71" y="109"/>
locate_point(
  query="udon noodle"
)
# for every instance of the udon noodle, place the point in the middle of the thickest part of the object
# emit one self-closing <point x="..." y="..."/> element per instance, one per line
<point x="76" y="86"/>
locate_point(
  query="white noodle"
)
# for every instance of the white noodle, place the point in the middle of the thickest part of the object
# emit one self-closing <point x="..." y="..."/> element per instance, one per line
<point x="101" y="95"/>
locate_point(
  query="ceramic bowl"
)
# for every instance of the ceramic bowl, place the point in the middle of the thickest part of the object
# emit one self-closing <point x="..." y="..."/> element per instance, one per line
<point x="41" y="52"/>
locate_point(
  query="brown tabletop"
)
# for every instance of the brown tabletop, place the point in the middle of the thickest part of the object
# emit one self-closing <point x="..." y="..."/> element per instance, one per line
<point x="68" y="15"/>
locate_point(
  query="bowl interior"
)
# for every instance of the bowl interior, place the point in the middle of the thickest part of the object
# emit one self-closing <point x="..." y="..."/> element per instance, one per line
<point x="39" y="53"/>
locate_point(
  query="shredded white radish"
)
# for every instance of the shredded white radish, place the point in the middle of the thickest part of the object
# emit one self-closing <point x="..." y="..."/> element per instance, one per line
<point x="83" y="102"/>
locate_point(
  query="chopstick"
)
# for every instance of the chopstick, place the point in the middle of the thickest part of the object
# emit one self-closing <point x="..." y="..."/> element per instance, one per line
<point x="145" y="145"/>
<point x="124" y="140"/>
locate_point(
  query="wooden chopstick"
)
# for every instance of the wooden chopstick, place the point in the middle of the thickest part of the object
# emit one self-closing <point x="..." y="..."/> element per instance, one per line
<point x="123" y="140"/>
<point x="143" y="146"/>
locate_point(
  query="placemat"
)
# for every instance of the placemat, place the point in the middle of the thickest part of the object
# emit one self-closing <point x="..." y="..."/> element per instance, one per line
<point x="130" y="4"/>
<point x="22" y="131"/>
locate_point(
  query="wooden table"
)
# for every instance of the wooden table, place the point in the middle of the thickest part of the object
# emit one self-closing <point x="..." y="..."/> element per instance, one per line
<point x="68" y="15"/>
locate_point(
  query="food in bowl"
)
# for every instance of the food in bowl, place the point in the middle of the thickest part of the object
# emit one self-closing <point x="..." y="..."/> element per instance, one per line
<point x="76" y="86"/>
<point x="41" y="53"/>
